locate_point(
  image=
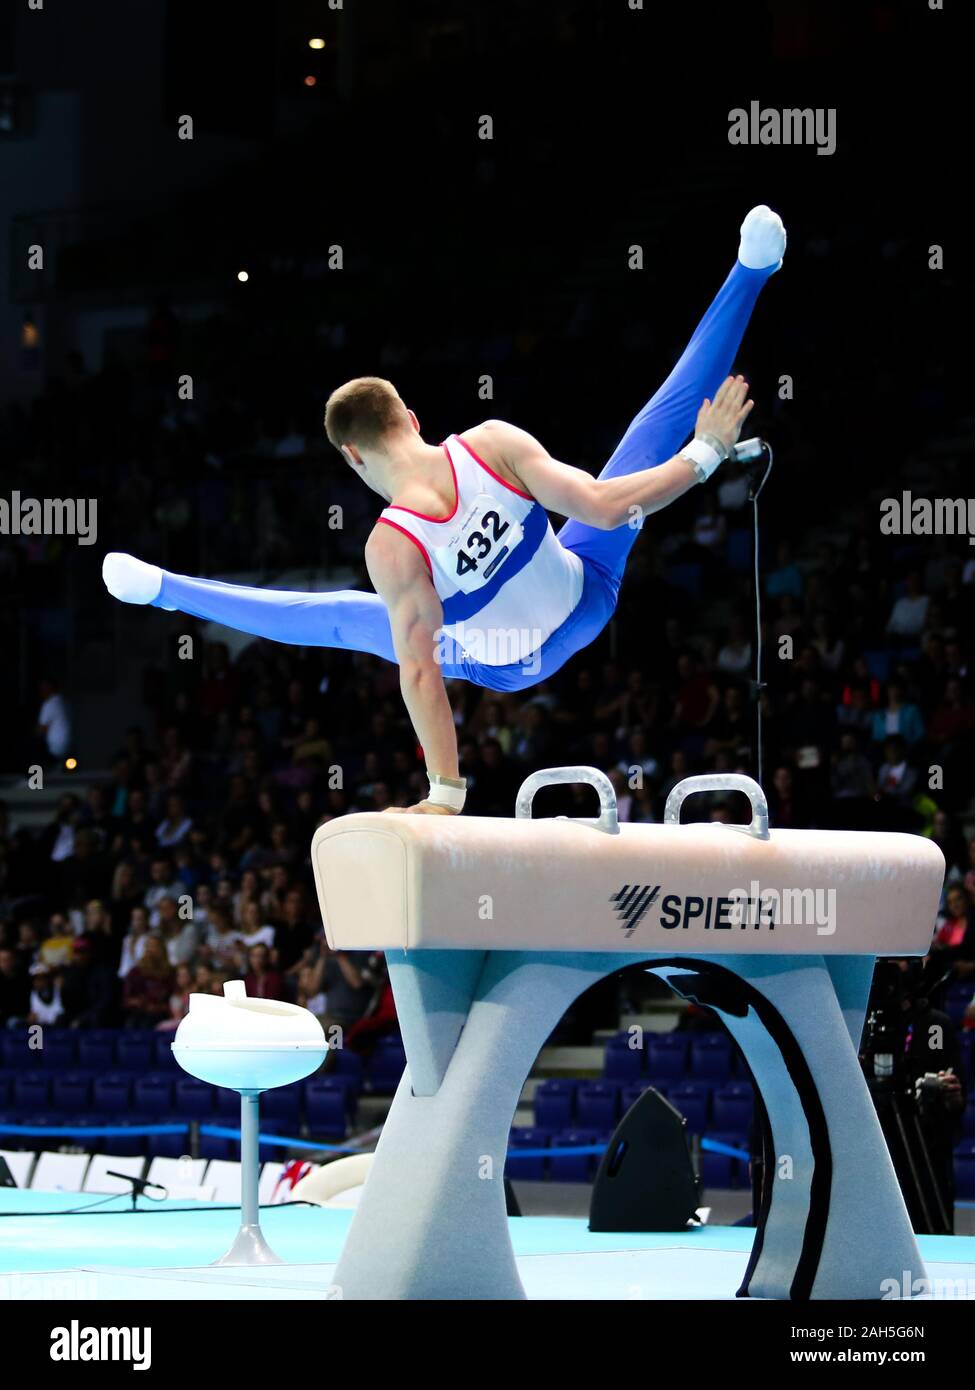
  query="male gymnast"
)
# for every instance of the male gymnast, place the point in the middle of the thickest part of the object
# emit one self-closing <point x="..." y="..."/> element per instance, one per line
<point x="471" y="581"/>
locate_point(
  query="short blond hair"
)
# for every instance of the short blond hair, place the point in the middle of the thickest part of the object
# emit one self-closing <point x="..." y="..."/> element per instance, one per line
<point x="363" y="412"/>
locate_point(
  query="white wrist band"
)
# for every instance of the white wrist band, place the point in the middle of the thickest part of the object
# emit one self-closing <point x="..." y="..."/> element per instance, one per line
<point x="450" y="792"/>
<point x="702" y="457"/>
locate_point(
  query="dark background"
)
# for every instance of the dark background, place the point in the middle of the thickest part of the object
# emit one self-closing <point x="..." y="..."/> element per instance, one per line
<point x="463" y="257"/>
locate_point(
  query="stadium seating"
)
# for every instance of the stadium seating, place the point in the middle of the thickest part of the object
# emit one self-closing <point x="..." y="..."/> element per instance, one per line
<point x="623" y="1061"/>
<point x="530" y="1168"/>
<point x="554" y="1103"/>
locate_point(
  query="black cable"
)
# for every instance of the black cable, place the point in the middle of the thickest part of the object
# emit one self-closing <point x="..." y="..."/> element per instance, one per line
<point x="145" y="1211"/>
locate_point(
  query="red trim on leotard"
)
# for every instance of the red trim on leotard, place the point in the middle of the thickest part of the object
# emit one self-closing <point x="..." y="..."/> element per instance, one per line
<point x="488" y="469"/>
<point x="409" y="536"/>
<point x="438" y="519"/>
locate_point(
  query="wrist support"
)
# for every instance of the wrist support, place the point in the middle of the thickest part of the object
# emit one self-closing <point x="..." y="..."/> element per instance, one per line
<point x="450" y="792"/>
<point x="704" y="454"/>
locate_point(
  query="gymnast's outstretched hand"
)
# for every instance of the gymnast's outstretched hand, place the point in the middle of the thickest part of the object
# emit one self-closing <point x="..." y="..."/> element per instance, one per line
<point x="724" y="416"/>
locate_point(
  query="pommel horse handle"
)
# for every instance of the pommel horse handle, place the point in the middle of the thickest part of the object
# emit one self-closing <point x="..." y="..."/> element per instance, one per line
<point x="560" y="776"/>
<point x="719" y="782"/>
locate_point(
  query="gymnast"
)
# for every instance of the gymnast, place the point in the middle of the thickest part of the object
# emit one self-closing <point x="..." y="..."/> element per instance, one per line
<point x="471" y="581"/>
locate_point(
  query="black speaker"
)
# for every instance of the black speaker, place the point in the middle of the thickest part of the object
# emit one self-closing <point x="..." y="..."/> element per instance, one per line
<point x="646" y="1179"/>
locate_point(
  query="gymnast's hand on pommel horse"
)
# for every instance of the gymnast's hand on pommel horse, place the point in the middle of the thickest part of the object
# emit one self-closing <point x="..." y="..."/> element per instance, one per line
<point x="472" y="582"/>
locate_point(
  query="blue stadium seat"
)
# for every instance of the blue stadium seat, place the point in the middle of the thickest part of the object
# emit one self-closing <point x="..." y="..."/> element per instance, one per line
<point x="168" y="1145"/>
<point x="526" y="1137"/>
<point x="732" y="1107"/>
<point x="32" y="1091"/>
<point x="194" y="1099"/>
<point x="629" y="1095"/>
<point x="6" y="1086"/>
<point x="598" y="1104"/>
<point x="621" y="1062"/>
<point x="228" y="1106"/>
<point x="121" y="1144"/>
<point x="386" y="1066"/>
<point x="163" y="1053"/>
<point x="96" y="1050"/>
<point x="667" y="1056"/>
<point x="711" y="1057"/>
<point x="344" y="1062"/>
<point x="34" y="1117"/>
<point x="554" y="1103"/>
<point x="326" y="1106"/>
<point x="153" y="1094"/>
<point x="693" y="1100"/>
<point x="72" y="1091"/>
<point x="572" y="1167"/>
<point x="86" y="1119"/>
<point x="136" y="1052"/>
<point x="113" y="1093"/>
<point x="60" y="1049"/>
<point x="15" y="1054"/>
<point x="212" y="1147"/>
<point x="281" y="1109"/>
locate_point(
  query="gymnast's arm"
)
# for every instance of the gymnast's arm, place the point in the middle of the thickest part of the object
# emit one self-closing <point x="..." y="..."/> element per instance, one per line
<point x="402" y="580"/>
<point x="611" y="502"/>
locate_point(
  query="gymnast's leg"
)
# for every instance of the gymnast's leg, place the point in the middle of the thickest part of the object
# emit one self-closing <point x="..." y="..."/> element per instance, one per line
<point x="343" y="618"/>
<point x="667" y="419"/>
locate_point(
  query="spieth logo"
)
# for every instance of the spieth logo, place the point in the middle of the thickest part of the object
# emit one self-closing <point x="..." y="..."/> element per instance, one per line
<point x="756" y="911"/>
<point x="632" y="902"/>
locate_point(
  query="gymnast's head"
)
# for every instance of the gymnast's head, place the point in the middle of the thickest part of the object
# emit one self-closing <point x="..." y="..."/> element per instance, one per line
<point x="370" y="426"/>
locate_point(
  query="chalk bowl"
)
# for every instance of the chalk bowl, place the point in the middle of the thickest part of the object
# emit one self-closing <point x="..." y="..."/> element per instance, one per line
<point x="248" y="1044"/>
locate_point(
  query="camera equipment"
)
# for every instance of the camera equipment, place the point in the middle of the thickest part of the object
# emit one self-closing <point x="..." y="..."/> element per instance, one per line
<point x="911" y="1106"/>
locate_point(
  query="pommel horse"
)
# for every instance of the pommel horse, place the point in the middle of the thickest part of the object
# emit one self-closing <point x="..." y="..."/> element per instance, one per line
<point x="492" y="927"/>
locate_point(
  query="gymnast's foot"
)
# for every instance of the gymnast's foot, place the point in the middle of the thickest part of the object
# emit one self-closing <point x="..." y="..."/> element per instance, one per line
<point x="131" y="580"/>
<point x="762" y="239"/>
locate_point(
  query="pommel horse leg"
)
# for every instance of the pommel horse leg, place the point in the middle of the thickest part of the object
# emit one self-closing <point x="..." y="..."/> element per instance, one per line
<point x="835" y="1223"/>
<point x="431" y="1223"/>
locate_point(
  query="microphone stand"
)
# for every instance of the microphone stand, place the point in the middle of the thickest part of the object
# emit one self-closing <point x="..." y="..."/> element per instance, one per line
<point x="755" y="457"/>
<point x="139" y="1185"/>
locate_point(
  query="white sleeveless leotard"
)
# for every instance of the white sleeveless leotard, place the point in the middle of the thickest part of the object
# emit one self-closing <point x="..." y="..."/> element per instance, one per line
<point x="504" y="580"/>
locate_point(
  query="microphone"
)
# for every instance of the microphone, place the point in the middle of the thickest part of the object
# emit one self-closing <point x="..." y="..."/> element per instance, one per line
<point x="749" y="450"/>
<point x="755" y="456"/>
<point x="139" y="1185"/>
